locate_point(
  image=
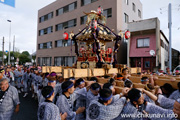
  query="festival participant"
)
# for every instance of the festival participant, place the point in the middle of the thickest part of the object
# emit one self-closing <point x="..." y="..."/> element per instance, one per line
<point x="2" y="71"/>
<point x="149" y="72"/>
<point x="176" y="94"/>
<point x="65" y="102"/>
<point x="52" y="83"/>
<point x="18" y="77"/>
<point x="145" y="80"/>
<point x="12" y="75"/>
<point x="128" y="83"/>
<point x="58" y="88"/>
<point x="9" y="100"/>
<point x="112" y="81"/>
<point x="47" y="109"/>
<point x="93" y="93"/>
<point x="125" y="74"/>
<point x="106" y="76"/>
<point x="32" y="81"/>
<point x="81" y="102"/>
<point x="168" y="72"/>
<point x="149" y="87"/>
<point x="72" y="79"/>
<point x="37" y="84"/>
<point x="109" y="86"/>
<point x="94" y="79"/>
<point x="167" y="89"/>
<point x="25" y="79"/>
<point x="7" y="73"/>
<point x="119" y="77"/>
<point x="44" y="79"/>
<point x="104" y="108"/>
<point x="137" y="108"/>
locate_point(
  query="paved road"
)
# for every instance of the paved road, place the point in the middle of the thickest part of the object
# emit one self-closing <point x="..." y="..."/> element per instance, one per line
<point x="28" y="109"/>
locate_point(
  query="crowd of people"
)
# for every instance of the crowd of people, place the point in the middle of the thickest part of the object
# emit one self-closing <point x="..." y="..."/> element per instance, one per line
<point x="85" y="98"/>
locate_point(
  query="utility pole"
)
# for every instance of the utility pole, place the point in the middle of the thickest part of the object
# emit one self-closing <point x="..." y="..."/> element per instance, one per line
<point x="13" y="44"/>
<point x="13" y="49"/>
<point x="3" y="51"/>
<point x="9" y="57"/>
<point x="170" y="37"/>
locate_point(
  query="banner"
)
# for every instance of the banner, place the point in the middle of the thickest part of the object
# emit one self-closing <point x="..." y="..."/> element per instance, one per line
<point x="8" y="2"/>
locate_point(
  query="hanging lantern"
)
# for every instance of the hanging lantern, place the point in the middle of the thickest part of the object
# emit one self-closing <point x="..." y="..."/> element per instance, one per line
<point x="65" y="36"/>
<point x="100" y="10"/>
<point x="127" y="34"/>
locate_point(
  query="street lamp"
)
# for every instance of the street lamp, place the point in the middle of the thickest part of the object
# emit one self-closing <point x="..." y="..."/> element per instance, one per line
<point x="9" y="41"/>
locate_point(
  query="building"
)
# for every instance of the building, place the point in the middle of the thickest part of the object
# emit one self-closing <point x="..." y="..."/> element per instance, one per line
<point x="67" y="15"/>
<point x="175" y="58"/>
<point x="146" y="36"/>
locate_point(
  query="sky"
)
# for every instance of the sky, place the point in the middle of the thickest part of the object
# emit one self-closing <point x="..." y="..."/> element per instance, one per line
<point x="159" y="8"/>
<point x="24" y="21"/>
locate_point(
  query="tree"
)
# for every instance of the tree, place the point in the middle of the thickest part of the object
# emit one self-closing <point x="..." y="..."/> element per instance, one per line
<point x="34" y="57"/>
<point x="24" y="58"/>
<point x="16" y="54"/>
<point x="25" y="53"/>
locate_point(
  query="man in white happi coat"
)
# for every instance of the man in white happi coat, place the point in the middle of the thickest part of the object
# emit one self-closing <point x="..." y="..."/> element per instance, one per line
<point x="9" y="100"/>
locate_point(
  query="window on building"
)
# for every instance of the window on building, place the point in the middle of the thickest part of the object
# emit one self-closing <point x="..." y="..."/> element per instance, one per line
<point x="134" y="7"/>
<point x="44" y="61"/>
<point x="72" y="6"/>
<point x="46" y="17"/>
<point x="40" y="46"/>
<point x="45" y="45"/>
<point x="49" y="44"/>
<point x="66" y="8"/>
<point x="126" y="18"/>
<point x="143" y="42"/>
<point x="41" y="32"/>
<point x="69" y="42"/>
<point x="71" y="23"/>
<point x="166" y="47"/>
<point x="65" y="25"/>
<point x="59" y="11"/>
<point x="64" y="61"/>
<point x="58" y="43"/>
<point x="83" y="19"/>
<point x="50" y="15"/>
<point x="127" y="2"/>
<point x="49" y="30"/>
<point x="85" y="2"/>
<point x="139" y="13"/>
<point x="59" y="27"/>
<point x="64" y="43"/>
<point x="41" y="19"/>
<point x="46" y="31"/>
<point x="162" y="43"/>
<point x="107" y="13"/>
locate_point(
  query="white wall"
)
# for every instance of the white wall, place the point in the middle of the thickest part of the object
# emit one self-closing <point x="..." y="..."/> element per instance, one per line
<point x="164" y="53"/>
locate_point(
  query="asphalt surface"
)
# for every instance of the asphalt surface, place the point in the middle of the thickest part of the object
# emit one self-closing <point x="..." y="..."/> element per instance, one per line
<point x="28" y="108"/>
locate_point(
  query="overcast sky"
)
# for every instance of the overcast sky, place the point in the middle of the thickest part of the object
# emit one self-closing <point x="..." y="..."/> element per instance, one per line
<point x="24" y="21"/>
